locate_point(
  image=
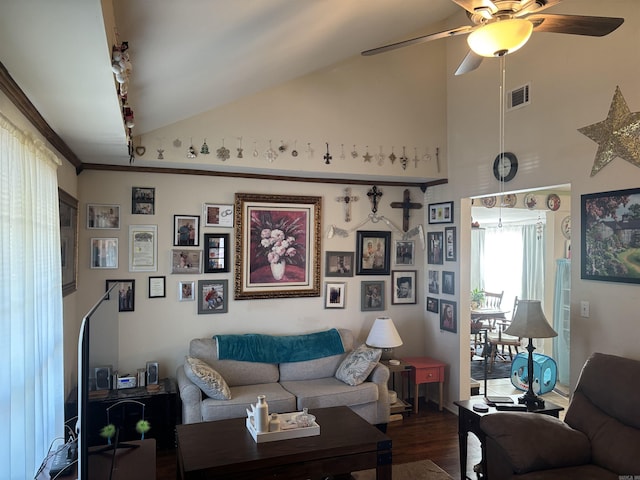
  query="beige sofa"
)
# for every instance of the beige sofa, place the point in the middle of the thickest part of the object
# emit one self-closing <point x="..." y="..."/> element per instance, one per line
<point x="288" y="387"/>
<point x="599" y="438"/>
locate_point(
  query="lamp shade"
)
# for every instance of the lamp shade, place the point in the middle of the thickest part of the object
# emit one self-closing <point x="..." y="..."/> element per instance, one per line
<point x="500" y="37"/>
<point x="383" y="334"/>
<point x="529" y="321"/>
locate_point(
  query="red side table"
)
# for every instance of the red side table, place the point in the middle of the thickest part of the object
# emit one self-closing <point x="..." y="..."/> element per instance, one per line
<point x="426" y="370"/>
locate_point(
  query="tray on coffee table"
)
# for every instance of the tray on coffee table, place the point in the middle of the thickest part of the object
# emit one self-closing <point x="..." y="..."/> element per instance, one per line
<point x="287" y="420"/>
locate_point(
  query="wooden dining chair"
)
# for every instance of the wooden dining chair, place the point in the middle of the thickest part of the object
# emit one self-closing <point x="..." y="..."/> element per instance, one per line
<point x="498" y="338"/>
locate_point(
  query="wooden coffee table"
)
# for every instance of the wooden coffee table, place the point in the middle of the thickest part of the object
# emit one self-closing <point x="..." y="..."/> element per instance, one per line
<point x="225" y="449"/>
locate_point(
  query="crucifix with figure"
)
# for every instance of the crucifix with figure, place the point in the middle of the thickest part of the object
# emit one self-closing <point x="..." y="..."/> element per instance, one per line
<point x="406" y="205"/>
<point x="347" y="198"/>
<point x="374" y="194"/>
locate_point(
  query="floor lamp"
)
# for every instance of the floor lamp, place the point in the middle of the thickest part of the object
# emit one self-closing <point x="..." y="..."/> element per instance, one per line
<point x="529" y="321"/>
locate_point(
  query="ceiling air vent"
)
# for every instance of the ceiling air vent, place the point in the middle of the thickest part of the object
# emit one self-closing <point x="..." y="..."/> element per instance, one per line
<point x="518" y="97"/>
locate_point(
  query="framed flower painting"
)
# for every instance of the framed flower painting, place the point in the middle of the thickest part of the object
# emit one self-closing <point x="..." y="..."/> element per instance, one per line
<point x="277" y="247"/>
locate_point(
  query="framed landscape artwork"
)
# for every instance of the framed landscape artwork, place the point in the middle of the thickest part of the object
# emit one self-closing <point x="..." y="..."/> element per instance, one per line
<point x="277" y="247"/>
<point x="611" y="236"/>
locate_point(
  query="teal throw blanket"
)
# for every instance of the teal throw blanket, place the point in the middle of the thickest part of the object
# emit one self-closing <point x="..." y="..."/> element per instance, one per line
<point x="279" y="349"/>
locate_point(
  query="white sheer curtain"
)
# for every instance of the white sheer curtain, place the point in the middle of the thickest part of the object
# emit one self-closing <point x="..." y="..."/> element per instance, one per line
<point x="503" y="252"/>
<point x="31" y="339"/>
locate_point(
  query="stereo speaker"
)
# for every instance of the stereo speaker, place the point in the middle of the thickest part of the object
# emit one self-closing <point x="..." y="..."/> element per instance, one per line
<point x="103" y="378"/>
<point x="152" y="373"/>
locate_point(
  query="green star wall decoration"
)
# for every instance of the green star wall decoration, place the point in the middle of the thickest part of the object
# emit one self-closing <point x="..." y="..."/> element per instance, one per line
<point x="616" y="136"/>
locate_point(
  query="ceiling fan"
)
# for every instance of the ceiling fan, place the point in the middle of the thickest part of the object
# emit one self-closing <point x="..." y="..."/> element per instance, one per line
<point x="501" y="27"/>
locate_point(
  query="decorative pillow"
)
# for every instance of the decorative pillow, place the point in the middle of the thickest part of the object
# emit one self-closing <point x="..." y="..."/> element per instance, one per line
<point x="208" y="379"/>
<point x="357" y="366"/>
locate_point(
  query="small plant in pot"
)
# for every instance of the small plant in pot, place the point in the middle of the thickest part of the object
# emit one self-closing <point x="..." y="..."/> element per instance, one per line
<point x="477" y="298"/>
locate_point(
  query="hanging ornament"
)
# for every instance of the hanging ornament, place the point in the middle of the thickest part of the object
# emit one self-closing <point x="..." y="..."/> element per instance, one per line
<point x="255" y="150"/>
<point x="327" y="157"/>
<point x="223" y="153"/>
<point x="354" y="152"/>
<point x="239" y="148"/>
<point x="415" y="156"/>
<point x="366" y="156"/>
<point x="309" y="151"/>
<point x="380" y="157"/>
<point x="294" y="152"/>
<point x="404" y="159"/>
<point x="282" y="148"/>
<point x="539" y="228"/>
<point x="342" y="156"/>
<point x="191" y="153"/>
<point x="205" y="148"/>
<point x="392" y="157"/>
<point x="177" y="143"/>
<point x="270" y="154"/>
<point x="160" y="154"/>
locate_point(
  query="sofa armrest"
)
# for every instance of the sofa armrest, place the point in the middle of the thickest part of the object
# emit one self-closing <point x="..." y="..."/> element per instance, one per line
<point x="380" y="376"/>
<point x="191" y="397"/>
<point x="530" y="442"/>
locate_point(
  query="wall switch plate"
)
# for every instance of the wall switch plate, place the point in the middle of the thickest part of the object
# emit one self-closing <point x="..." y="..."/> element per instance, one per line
<point x="584" y="309"/>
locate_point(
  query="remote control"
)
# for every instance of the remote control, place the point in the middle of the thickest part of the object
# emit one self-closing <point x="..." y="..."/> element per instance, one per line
<point x="63" y="459"/>
<point x="510" y="407"/>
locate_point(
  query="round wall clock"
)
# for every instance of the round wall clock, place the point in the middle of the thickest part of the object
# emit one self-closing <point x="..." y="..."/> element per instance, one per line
<point x="553" y="202"/>
<point x="566" y="227"/>
<point x="505" y="167"/>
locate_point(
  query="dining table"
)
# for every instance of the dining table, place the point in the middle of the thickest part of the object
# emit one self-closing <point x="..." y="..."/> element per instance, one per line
<point x="485" y="319"/>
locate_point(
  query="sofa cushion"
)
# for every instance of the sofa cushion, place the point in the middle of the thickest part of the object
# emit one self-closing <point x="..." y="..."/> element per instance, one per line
<point x="582" y="472"/>
<point x="234" y="372"/>
<point x="206" y="377"/>
<point x="357" y="366"/>
<point x="330" y="392"/>
<point x="531" y="441"/>
<point x="242" y="397"/>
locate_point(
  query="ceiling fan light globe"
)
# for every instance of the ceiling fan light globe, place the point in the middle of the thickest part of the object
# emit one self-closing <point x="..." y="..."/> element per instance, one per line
<point x="501" y="37"/>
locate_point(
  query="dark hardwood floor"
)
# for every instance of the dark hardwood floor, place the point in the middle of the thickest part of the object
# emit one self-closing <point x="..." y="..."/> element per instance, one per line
<point x="430" y="434"/>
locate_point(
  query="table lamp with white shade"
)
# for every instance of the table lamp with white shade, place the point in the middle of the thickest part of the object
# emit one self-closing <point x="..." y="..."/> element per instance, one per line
<point x="383" y="335"/>
<point x="529" y="321"/>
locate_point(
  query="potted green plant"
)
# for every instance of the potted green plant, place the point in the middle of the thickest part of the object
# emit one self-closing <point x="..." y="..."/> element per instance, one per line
<point x="477" y="298"/>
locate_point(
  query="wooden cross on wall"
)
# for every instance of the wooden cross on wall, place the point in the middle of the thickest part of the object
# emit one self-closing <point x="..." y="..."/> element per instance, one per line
<point x="374" y="194"/>
<point x="406" y="205"/>
<point x="347" y="198"/>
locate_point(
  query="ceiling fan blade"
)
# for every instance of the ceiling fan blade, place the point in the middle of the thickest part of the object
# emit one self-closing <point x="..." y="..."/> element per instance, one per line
<point x="575" y="24"/>
<point x="422" y="39"/>
<point x="471" y="61"/>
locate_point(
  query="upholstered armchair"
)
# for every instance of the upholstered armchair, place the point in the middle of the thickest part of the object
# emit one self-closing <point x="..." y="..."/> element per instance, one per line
<point x="598" y="439"/>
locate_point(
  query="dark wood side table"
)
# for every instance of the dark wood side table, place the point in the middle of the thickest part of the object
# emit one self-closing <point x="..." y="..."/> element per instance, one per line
<point x="403" y="369"/>
<point x="469" y="421"/>
<point x="427" y="370"/>
<point x="161" y="411"/>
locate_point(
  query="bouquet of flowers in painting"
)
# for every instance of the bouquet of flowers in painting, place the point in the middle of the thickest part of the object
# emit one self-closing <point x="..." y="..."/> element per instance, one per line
<point x="278" y="239"/>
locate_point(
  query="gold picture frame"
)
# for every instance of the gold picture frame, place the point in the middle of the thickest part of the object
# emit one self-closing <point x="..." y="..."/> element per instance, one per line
<point x="277" y="247"/>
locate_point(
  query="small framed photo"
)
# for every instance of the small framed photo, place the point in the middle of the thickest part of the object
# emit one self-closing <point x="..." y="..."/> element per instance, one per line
<point x="449" y="283"/>
<point x="432" y="304"/>
<point x="143" y="201"/>
<point x="448" y="316"/>
<point x="441" y="212"/>
<point x="186" y="261"/>
<point x="218" y="215"/>
<point x="186" y="230"/>
<point x="334" y="295"/>
<point x="404" y="287"/>
<point x="373" y="252"/>
<point x="450" y="244"/>
<point x="213" y="296"/>
<point x="103" y="216"/>
<point x="104" y="253"/>
<point x="186" y="291"/>
<point x="126" y="294"/>
<point x="157" y="287"/>
<point x="372" y="296"/>
<point x="404" y="252"/>
<point x="217" y="252"/>
<point x="339" y="264"/>
<point x="434" y="281"/>
<point x="434" y="248"/>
